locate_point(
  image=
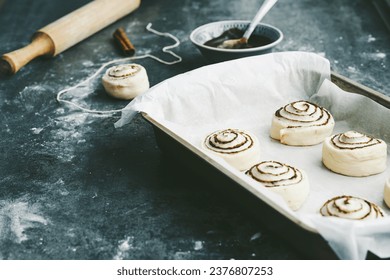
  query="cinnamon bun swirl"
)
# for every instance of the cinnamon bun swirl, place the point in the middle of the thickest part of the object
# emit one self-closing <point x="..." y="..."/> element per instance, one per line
<point x="353" y="208"/>
<point x="289" y="182"/>
<point x="301" y="123"/>
<point x="239" y="148"/>
<point x="125" y="81"/>
<point x="354" y="154"/>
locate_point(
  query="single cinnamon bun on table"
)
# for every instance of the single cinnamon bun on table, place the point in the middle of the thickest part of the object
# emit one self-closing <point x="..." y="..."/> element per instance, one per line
<point x="239" y="148"/>
<point x="354" y="154"/>
<point x="353" y="208"/>
<point x="289" y="182"/>
<point x="125" y="81"/>
<point x="301" y="123"/>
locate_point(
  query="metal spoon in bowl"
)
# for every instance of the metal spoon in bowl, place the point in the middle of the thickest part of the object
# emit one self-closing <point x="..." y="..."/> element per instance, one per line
<point x="236" y="43"/>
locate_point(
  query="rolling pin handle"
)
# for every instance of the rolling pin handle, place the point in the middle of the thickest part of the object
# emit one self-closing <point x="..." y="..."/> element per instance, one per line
<point x="68" y="31"/>
<point x="41" y="44"/>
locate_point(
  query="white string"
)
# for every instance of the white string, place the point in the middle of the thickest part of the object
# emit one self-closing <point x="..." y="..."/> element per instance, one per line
<point x="166" y="49"/>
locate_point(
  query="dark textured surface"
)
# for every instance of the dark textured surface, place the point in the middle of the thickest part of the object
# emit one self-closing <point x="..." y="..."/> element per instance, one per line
<point x="74" y="187"/>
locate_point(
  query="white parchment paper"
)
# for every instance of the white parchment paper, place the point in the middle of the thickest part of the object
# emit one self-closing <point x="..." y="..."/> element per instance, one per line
<point x="245" y="94"/>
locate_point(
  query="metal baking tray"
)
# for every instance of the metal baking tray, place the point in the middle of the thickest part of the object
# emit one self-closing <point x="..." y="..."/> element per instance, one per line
<point x="305" y="239"/>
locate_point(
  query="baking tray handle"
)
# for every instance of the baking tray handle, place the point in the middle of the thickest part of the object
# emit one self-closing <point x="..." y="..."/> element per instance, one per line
<point x="354" y="87"/>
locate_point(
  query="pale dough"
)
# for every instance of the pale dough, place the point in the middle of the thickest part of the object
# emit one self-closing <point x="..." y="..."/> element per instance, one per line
<point x="353" y="208"/>
<point x="126" y="81"/>
<point x="301" y="123"/>
<point x="289" y="182"/>
<point x="354" y="154"/>
<point x="239" y="148"/>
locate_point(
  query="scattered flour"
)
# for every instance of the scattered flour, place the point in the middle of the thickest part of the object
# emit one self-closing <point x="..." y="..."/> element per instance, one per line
<point x="133" y="25"/>
<point x="66" y="132"/>
<point x="374" y="56"/>
<point x="123" y="248"/>
<point x="306" y="49"/>
<point x="7" y="129"/>
<point x="36" y="130"/>
<point x="60" y="187"/>
<point x="371" y="39"/>
<point x="198" y="245"/>
<point x="28" y="97"/>
<point x="380" y="55"/>
<point x="16" y="217"/>
<point x="32" y="89"/>
<point x="256" y="236"/>
<point x="182" y="255"/>
<point x="87" y="63"/>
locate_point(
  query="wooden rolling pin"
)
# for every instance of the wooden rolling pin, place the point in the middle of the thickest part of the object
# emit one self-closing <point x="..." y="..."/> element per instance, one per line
<point x="68" y="31"/>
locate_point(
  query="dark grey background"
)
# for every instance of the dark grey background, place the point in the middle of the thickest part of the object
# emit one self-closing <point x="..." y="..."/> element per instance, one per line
<point x="74" y="187"/>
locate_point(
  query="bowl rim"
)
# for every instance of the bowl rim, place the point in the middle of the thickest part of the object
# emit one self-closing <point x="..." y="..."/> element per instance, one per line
<point x="192" y="35"/>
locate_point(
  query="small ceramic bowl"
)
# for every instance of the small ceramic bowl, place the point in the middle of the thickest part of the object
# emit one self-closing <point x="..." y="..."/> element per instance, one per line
<point x="212" y="30"/>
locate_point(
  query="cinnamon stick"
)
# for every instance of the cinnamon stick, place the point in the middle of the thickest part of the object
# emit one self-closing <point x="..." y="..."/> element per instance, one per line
<point x="124" y="42"/>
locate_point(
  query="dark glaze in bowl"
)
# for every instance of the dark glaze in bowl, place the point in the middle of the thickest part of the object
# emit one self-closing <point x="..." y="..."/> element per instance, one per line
<point x="206" y="32"/>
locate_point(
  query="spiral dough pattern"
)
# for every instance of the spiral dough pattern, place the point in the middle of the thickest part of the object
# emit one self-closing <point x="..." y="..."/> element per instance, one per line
<point x="301" y="123"/>
<point x="354" y="140"/>
<point x="289" y="182"/>
<point x="349" y="207"/>
<point x="303" y="113"/>
<point x="239" y="148"/>
<point x="354" y="154"/>
<point x="275" y="174"/>
<point x="229" y="141"/>
<point x="126" y="81"/>
<point x="124" y="71"/>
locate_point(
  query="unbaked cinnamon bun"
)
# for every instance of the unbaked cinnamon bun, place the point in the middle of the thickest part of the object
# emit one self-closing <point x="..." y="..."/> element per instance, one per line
<point x="290" y="182"/>
<point x="125" y="81"/>
<point x="349" y="207"/>
<point x="354" y="154"/>
<point x="301" y="123"/>
<point x="239" y="148"/>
